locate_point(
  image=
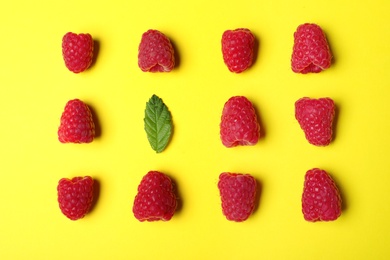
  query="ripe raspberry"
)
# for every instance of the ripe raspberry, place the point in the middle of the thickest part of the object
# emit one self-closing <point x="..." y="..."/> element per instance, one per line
<point x="75" y="196"/>
<point x="239" y="125"/>
<point x="315" y="116"/>
<point x="321" y="199"/>
<point x="237" y="49"/>
<point x="238" y="195"/>
<point x="155" y="199"/>
<point x="77" y="51"/>
<point x="155" y="52"/>
<point x="311" y="51"/>
<point x="77" y="125"/>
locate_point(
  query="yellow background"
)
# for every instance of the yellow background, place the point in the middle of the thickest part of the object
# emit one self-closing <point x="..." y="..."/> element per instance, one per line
<point x="35" y="85"/>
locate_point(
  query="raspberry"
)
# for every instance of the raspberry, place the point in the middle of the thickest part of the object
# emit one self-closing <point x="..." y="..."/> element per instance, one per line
<point x="315" y="116"/>
<point x="77" y="51"/>
<point x="321" y="199"/>
<point x="77" y="125"/>
<point x="155" y="52"/>
<point x="238" y="195"/>
<point x="311" y="51"/>
<point x="237" y="49"/>
<point x="155" y="199"/>
<point x="75" y="196"/>
<point x="239" y="125"/>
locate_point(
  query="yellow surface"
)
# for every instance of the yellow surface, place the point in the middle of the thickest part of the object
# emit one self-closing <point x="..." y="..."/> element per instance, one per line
<point x="35" y="85"/>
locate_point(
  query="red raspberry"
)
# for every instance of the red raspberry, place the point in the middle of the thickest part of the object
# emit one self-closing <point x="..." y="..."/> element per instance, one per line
<point x="75" y="196"/>
<point x="238" y="195"/>
<point x="155" y="199"/>
<point x="315" y="116"/>
<point x="321" y="199"/>
<point x="155" y="52"/>
<point x="311" y="51"/>
<point x="237" y="49"/>
<point x="77" y="125"/>
<point x="239" y="125"/>
<point x="77" y="51"/>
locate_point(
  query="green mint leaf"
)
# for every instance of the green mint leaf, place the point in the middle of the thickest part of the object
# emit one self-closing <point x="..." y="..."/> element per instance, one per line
<point x="158" y="123"/>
